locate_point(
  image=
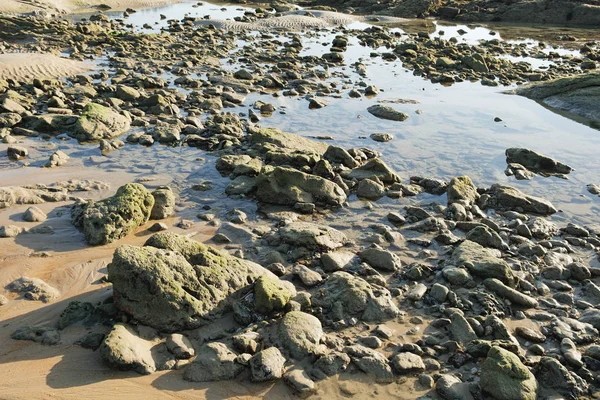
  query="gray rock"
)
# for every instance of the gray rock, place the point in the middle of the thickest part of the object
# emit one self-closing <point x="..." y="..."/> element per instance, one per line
<point x="180" y="346"/>
<point x="164" y="203"/>
<point x="336" y="261"/>
<point x="481" y="262"/>
<point x="486" y="237"/>
<point x="125" y="350"/>
<point x="370" y="362"/>
<point x="406" y="363"/>
<point x="449" y="387"/>
<point x="16" y="153"/>
<point x="57" y="159"/>
<point x="41" y="334"/>
<point x="76" y="311"/>
<point x="34" y="289"/>
<point x="370" y="189"/>
<point x="34" y="214"/>
<point x="300" y="334"/>
<point x="387" y="112"/>
<point x="215" y="362"/>
<point x="552" y="375"/>
<point x="374" y="169"/>
<point x="381" y="259"/>
<point x="381" y="137"/>
<point x="300" y="383"/>
<point x="270" y="294"/>
<point x="509" y="198"/>
<point x="9" y="231"/>
<point x="511" y="294"/>
<point x="99" y="122"/>
<point x="460" y="329"/>
<point x="267" y="365"/>
<point x="536" y="162"/>
<point x="312" y="236"/>
<point x="330" y="365"/>
<point x="462" y="190"/>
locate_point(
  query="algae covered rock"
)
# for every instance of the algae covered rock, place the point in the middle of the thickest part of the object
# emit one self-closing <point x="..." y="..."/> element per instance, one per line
<point x="125" y="350"/>
<point x="99" y="122"/>
<point x="273" y="139"/>
<point x="267" y="365"/>
<point x="110" y="219"/>
<point x="41" y="334"/>
<point x="509" y="198"/>
<point x="504" y="377"/>
<point x="287" y="186"/>
<point x="300" y="334"/>
<point x="312" y="236"/>
<point x="178" y="283"/>
<point x="462" y="190"/>
<point x="164" y="203"/>
<point x="482" y="262"/>
<point x="270" y="295"/>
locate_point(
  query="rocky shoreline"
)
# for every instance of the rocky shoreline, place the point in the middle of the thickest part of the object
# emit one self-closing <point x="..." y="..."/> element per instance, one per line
<point x="476" y="295"/>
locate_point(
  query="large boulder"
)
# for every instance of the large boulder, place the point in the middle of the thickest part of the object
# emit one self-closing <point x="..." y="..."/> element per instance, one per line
<point x="536" y="162"/>
<point x="175" y="283"/>
<point x="300" y="334"/>
<point x="99" y="122"/>
<point x="110" y="219"/>
<point x="287" y="186"/>
<point x="344" y="295"/>
<point x="504" y="377"/>
<point x="482" y="262"/>
<point x="215" y="362"/>
<point x="505" y="197"/>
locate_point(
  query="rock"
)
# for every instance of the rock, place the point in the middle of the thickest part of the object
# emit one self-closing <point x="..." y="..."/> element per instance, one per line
<point x="34" y="214"/>
<point x="370" y="362"/>
<point x="57" y="159"/>
<point x="164" y="132"/>
<point x="158" y="226"/>
<point x="530" y="334"/>
<point x="330" y="365"/>
<point x="125" y="350"/>
<point x="456" y="276"/>
<point x="110" y="219"/>
<point x="381" y="259"/>
<point x="481" y="262"/>
<point x="300" y="334"/>
<point x="570" y="353"/>
<point x="536" y="162"/>
<point x="41" y="334"/>
<point x="552" y="375"/>
<point x="460" y="328"/>
<point x="438" y="292"/>
<point x="8" y="231"/>
<point x="354" y="296"/>
<point x="449" y="387"/>
<point x="511" y="294"/>
<point x="215" y="362"/>
<point x="308" y="277"/>
<point x="504" y="377"/>
<point x="98" y="122"/>
<point x="270" y="295"/>
<point x="370" y="189"/>
<point x="387" y="112"/>
<point x="3" y="300"/>
<point x="92" y="341"/>
<point x="406" y="363"/>
<point x="16" y="153"/>
<point x="462" y="190"/>
<point x="267" y="365"/>
<point x="180" y="346"/>
<point x="8" y="120"/>
<point x="339" y="155"/>
<point x="312" y="236"/>
<point x="127" y="93"/>
<point x="242" y="185"/>
<point x="300" y="383"/>
<point x="381" y="137"/>
<point x="486" y="237"/>
<point x="175" y="283"/>
<point x="164" y="203"/>
<point x="247" y="342"/>
<point x="374" y="169"/>
<point x="315" y="104"/>
<point x="287" y="186"/>
<point x="476" y="62"/>
<point x="76" y="311"/>
<point x="34" y="289"/>
<point x="243" y="75"/>
<point x="509" y="198"/>
<point x="396" y="218"/>
<point x="336" y="261"/>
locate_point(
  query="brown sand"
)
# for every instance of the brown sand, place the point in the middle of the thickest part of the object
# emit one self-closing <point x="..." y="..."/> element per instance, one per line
<point x="26" y="66"/>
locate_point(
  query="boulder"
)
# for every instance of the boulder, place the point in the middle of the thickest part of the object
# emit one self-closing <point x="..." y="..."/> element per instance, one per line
<point x="125" y="350"/>
<point x="57" y="159"/>
<point x="381" y="259"/>
<point x="269" y="139"/>
<point x="486" y="237"/>
<point x="405" y="363"/>
<point x="505" y="197"/>
<point x="270" y="294"/>
<point x="34" y="214"/>
<point x="536" y="162"/>
<point x="481" y="262"/>
<point x="504" y="377"/>
<point x="300" y="334"/>
<point x="34" y="289"/>
<point x="371" y="362"/>
<point x="374" y="169"/>
<point x="312" y="236"/>
<point x="267" y="365"/>
<point x="175" y="283"/>
<point x="554" y="376"/>
<point x="99" y="122"/>
<point x="215" y="362"/>
<point x="287" y="186"/>
<point x="111" y="219"/>
<point x="462" y="190"/>
<point x="164" y="203"/>
<point x="354" y="296"/>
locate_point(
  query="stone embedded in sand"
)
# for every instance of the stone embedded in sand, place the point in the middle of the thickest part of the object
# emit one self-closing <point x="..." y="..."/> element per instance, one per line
<point x="346" y="295"/>
<point x="8" y="231"/>
<point x="164" y="203"/>
<point x="34" y="214"/>
<point x="288" y="186"/>
<point x="535" y="161"/>
<point x="215" y="362"/>
<point x="405" y="363"/>
<point x="76" y="311"/>
<point x="16" y="153"/>
<point x="127" y="93"/>
<point x="267" y="365"/>
<point x="509" y="198"/>
<point x="312" y="236"/>
<point x="8" y="120"/>
<point x="371" y="362"/>
<point x="125" y="350"/>
<point x="111" y="219"/>
<point x="57" y="159"/>
<point x="387" y="112"/>
<point x="34" y="289"/>
<point x="300" y="334"/>
<point x="504" y="377"/>
<point x="482" y="262"/>
<point x="41" y="334"/>
<point x="275" y="140"/>
<point x="99" y="122"/>
<point x="175" y="283"/>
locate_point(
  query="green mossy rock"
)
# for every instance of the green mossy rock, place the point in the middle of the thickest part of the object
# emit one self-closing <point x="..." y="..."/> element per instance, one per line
<point x="482" y="262"/>
<point x="110" y="219"/>
<point x="504" y="377"/>
<point x="270" y="295"/>
<point x="99" y="122"/>
<point x="462" y="190"/>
